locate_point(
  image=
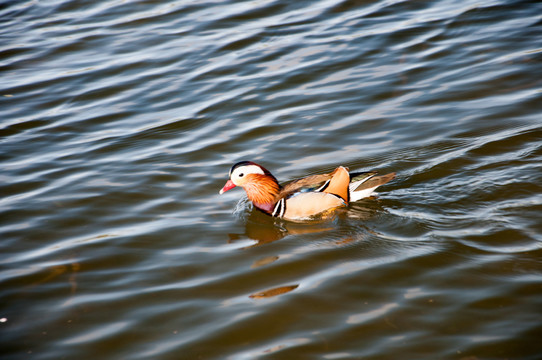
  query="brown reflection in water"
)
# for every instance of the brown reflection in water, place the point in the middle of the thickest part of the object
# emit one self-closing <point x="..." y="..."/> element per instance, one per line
<point x="273" y="292"/>
<point x="264" y="261"/>
<point x="265" y="229"/>
<point x="58" y="270"/>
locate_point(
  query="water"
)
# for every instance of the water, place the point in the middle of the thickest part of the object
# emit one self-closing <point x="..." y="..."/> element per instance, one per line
<point x="119" y="121"/>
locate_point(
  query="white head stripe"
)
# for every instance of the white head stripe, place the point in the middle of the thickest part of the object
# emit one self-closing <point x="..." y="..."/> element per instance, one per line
<point x="248" y="169"/>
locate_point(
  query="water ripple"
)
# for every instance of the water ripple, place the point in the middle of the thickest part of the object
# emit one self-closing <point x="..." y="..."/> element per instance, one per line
<point x="119" y="122"/>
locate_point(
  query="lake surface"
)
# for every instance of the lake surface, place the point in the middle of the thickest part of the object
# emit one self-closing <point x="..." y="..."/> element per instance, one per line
<point x="119" y="121"/>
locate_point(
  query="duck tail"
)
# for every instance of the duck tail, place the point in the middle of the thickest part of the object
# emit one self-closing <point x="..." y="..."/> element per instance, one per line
<point x="363" y="184"/>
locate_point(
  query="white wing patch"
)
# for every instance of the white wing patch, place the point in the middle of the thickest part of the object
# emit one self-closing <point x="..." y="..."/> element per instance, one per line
<point x="358" y="195"/>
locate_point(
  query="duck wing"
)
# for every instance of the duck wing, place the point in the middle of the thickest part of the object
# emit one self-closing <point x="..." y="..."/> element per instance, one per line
<point x="306" y="184"/>
<point x="335" y="183"/>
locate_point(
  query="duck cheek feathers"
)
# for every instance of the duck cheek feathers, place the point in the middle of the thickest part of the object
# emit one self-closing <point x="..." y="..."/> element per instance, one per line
<point x="229" y="185"/>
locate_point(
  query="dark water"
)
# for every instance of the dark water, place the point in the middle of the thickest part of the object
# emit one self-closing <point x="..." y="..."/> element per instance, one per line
<point x="119" y="121"/>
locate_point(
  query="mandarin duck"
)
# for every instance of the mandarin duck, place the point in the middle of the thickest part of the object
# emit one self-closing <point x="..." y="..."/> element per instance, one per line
<point x="305" y="197"/>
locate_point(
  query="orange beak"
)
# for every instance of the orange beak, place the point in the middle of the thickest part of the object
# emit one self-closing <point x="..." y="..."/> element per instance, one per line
<point x="229" y="185"/>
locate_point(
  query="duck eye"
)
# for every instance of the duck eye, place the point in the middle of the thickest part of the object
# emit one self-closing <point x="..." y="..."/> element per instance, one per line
<point x="241" y="175"/>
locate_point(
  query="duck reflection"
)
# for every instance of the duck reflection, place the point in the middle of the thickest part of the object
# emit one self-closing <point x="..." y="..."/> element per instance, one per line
<point x="264" y="229"/>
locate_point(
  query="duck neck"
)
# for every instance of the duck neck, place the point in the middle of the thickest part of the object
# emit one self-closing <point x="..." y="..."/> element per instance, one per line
<point x="263" y="192"/>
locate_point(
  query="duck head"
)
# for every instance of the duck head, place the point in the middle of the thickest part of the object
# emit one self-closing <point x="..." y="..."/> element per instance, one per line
<point x="259" y="184"/>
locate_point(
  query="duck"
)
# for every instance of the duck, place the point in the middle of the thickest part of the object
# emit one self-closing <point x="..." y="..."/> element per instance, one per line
<point x="306" y="197"/>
